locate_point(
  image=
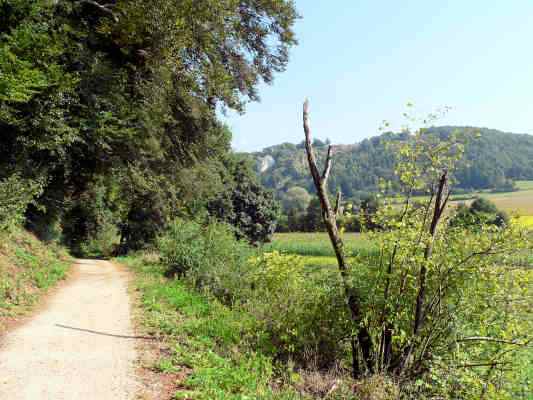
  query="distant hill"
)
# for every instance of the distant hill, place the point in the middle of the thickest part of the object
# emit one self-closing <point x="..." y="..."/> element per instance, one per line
<point x="492" y="161"/>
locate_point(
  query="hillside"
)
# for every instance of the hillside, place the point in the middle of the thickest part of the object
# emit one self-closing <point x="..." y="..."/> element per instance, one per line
<point x="492" y="161"/>
<point x="28" y="267"/>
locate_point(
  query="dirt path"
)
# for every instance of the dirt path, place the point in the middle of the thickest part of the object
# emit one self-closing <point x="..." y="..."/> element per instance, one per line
<point x="81" y="346"/>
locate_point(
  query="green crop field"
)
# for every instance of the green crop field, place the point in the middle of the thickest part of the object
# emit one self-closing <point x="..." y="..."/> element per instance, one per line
<point x="316" y="244"/>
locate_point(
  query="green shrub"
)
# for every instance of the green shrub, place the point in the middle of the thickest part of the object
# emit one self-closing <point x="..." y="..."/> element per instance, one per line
<point x="16" y="193"/>
<point x="303" y="313"/>
<point x="481" y="212"/>
<point x="209" y="256"/>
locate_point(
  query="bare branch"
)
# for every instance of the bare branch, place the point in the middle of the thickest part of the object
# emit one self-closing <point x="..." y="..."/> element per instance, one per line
<point x="338" y="203"/>
<point x="327" y="167"/>
<point x="489" y="339"/>
<point x="309" y="146"/>
<point x="330" y="221"/>
<point x="105" y="8"/>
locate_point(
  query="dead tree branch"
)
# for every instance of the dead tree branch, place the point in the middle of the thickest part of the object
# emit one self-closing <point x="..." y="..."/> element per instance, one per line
<point x="105" y="8"/>
<point x="330" y="220"/>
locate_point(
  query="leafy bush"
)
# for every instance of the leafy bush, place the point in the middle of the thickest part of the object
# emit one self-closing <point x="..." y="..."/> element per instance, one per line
<point x="16" y="194"/>
<point x="480" y="212"/>
<point x="304" y="313"/>
<point x="209" y="256"/>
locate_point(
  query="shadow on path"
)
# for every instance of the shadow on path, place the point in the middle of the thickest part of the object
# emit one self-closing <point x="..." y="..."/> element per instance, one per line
<point x="105" y="333"/>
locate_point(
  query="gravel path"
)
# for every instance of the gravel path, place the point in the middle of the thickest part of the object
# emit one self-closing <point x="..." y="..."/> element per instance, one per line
<point x="82" y="346"/>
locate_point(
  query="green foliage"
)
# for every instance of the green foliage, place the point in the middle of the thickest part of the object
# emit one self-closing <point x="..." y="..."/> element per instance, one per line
<point x="447" y="273"/>
<point x="121" y="105"/>
<point x="480" y="212"/>
<point x="246" y="205"/>
<point x="16" y="194"/>
<point x="302" y="313"/>
<point x="209" y="255"/>
<point x="222" y="353"/>
<point x="28" y="268"/>
<point x="491" y="161"/>
<point x="296" y="198"/>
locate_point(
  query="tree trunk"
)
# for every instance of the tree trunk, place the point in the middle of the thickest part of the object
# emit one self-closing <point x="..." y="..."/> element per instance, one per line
<point x="329" y="216"/>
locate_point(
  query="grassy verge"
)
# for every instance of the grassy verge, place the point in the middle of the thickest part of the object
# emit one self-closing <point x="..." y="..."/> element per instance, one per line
<point x="218" y="353"/>
<point x="28" y="267"/>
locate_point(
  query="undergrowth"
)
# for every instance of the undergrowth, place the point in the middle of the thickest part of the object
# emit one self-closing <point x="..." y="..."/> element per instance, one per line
<point x="220" y="352"/>
<point x="28" y="267"/>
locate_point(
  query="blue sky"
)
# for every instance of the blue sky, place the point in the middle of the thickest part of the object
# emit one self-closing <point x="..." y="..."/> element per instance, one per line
<point x="360" y="62"/>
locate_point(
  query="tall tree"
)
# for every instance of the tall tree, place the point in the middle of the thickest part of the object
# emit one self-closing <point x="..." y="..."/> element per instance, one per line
<point x="128" y="91"/>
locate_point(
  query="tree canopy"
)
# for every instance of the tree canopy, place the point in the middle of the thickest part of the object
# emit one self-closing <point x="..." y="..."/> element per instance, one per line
<point x="118" y="102"/>
<point x="493" y="160"/>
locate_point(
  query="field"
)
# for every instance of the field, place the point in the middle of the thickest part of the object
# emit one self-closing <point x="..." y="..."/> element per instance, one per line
<point x="316" y="244"/>
<point x="519" y="202"/>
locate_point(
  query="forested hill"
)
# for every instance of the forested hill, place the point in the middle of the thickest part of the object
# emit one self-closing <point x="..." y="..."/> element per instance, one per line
<point x="493" y="160"/>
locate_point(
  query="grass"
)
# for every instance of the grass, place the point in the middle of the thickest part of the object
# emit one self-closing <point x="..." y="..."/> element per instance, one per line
<point x="219" y="353"/>
<point x="525" y="221"/>
<point x="518" y="202"/>
<point x="28" y="267"/>
<point x="316" y="244"/>
<point x="524" y="185"/>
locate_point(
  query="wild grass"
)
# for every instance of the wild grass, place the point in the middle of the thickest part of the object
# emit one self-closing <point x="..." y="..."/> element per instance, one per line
<point x="219" y="353"/>
<point x="28" y="267"/>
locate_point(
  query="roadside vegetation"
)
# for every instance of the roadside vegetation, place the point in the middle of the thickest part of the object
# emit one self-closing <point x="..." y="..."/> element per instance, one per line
<point x="112" y="145"/>
<point x="28" y="268"/>
<point x="214" y="351"/>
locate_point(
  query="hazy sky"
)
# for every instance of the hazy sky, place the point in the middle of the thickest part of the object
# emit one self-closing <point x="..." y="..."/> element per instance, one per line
<point x="360" y="62"/>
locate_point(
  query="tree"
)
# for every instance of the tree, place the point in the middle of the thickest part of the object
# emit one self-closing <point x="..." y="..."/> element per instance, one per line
<point x="296" y="198"/>
<point x="361" y="339"/>
<point x="127" y="94"/>
<point x="481" y="212"/>
<point x="246" y="205"/>
<point x="312" y="220"/>
<point x="420" y="304"/>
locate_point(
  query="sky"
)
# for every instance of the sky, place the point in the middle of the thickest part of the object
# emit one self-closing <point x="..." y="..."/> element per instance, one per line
<point x="361" y="62"/>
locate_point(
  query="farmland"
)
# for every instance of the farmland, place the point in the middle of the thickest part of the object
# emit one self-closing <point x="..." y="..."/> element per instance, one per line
<point x="519" y="202"/>
<point x="316" y="244"/>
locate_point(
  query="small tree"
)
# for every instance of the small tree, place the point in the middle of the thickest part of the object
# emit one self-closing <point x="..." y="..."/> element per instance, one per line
<point x="246" y="205"/>
<point x="433" y="303"/>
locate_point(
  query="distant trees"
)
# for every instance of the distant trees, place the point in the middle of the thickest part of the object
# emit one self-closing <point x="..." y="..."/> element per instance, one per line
<point x="296" y="198"/>
<point x="493" y="160"/>
<point x="354" y="216"/>
<point x="480" y="212"/>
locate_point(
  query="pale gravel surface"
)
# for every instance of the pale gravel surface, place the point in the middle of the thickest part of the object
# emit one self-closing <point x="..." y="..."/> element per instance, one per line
<point x="81" y="346"/>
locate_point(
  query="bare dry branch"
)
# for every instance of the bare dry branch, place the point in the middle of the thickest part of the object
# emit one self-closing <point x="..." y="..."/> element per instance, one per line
<point x="330" y="220"/>
<point x="105" y="8"/>
<point x="489" y="339"/>
<point x="338" y="203"/>
<point x="327" y="167"/>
